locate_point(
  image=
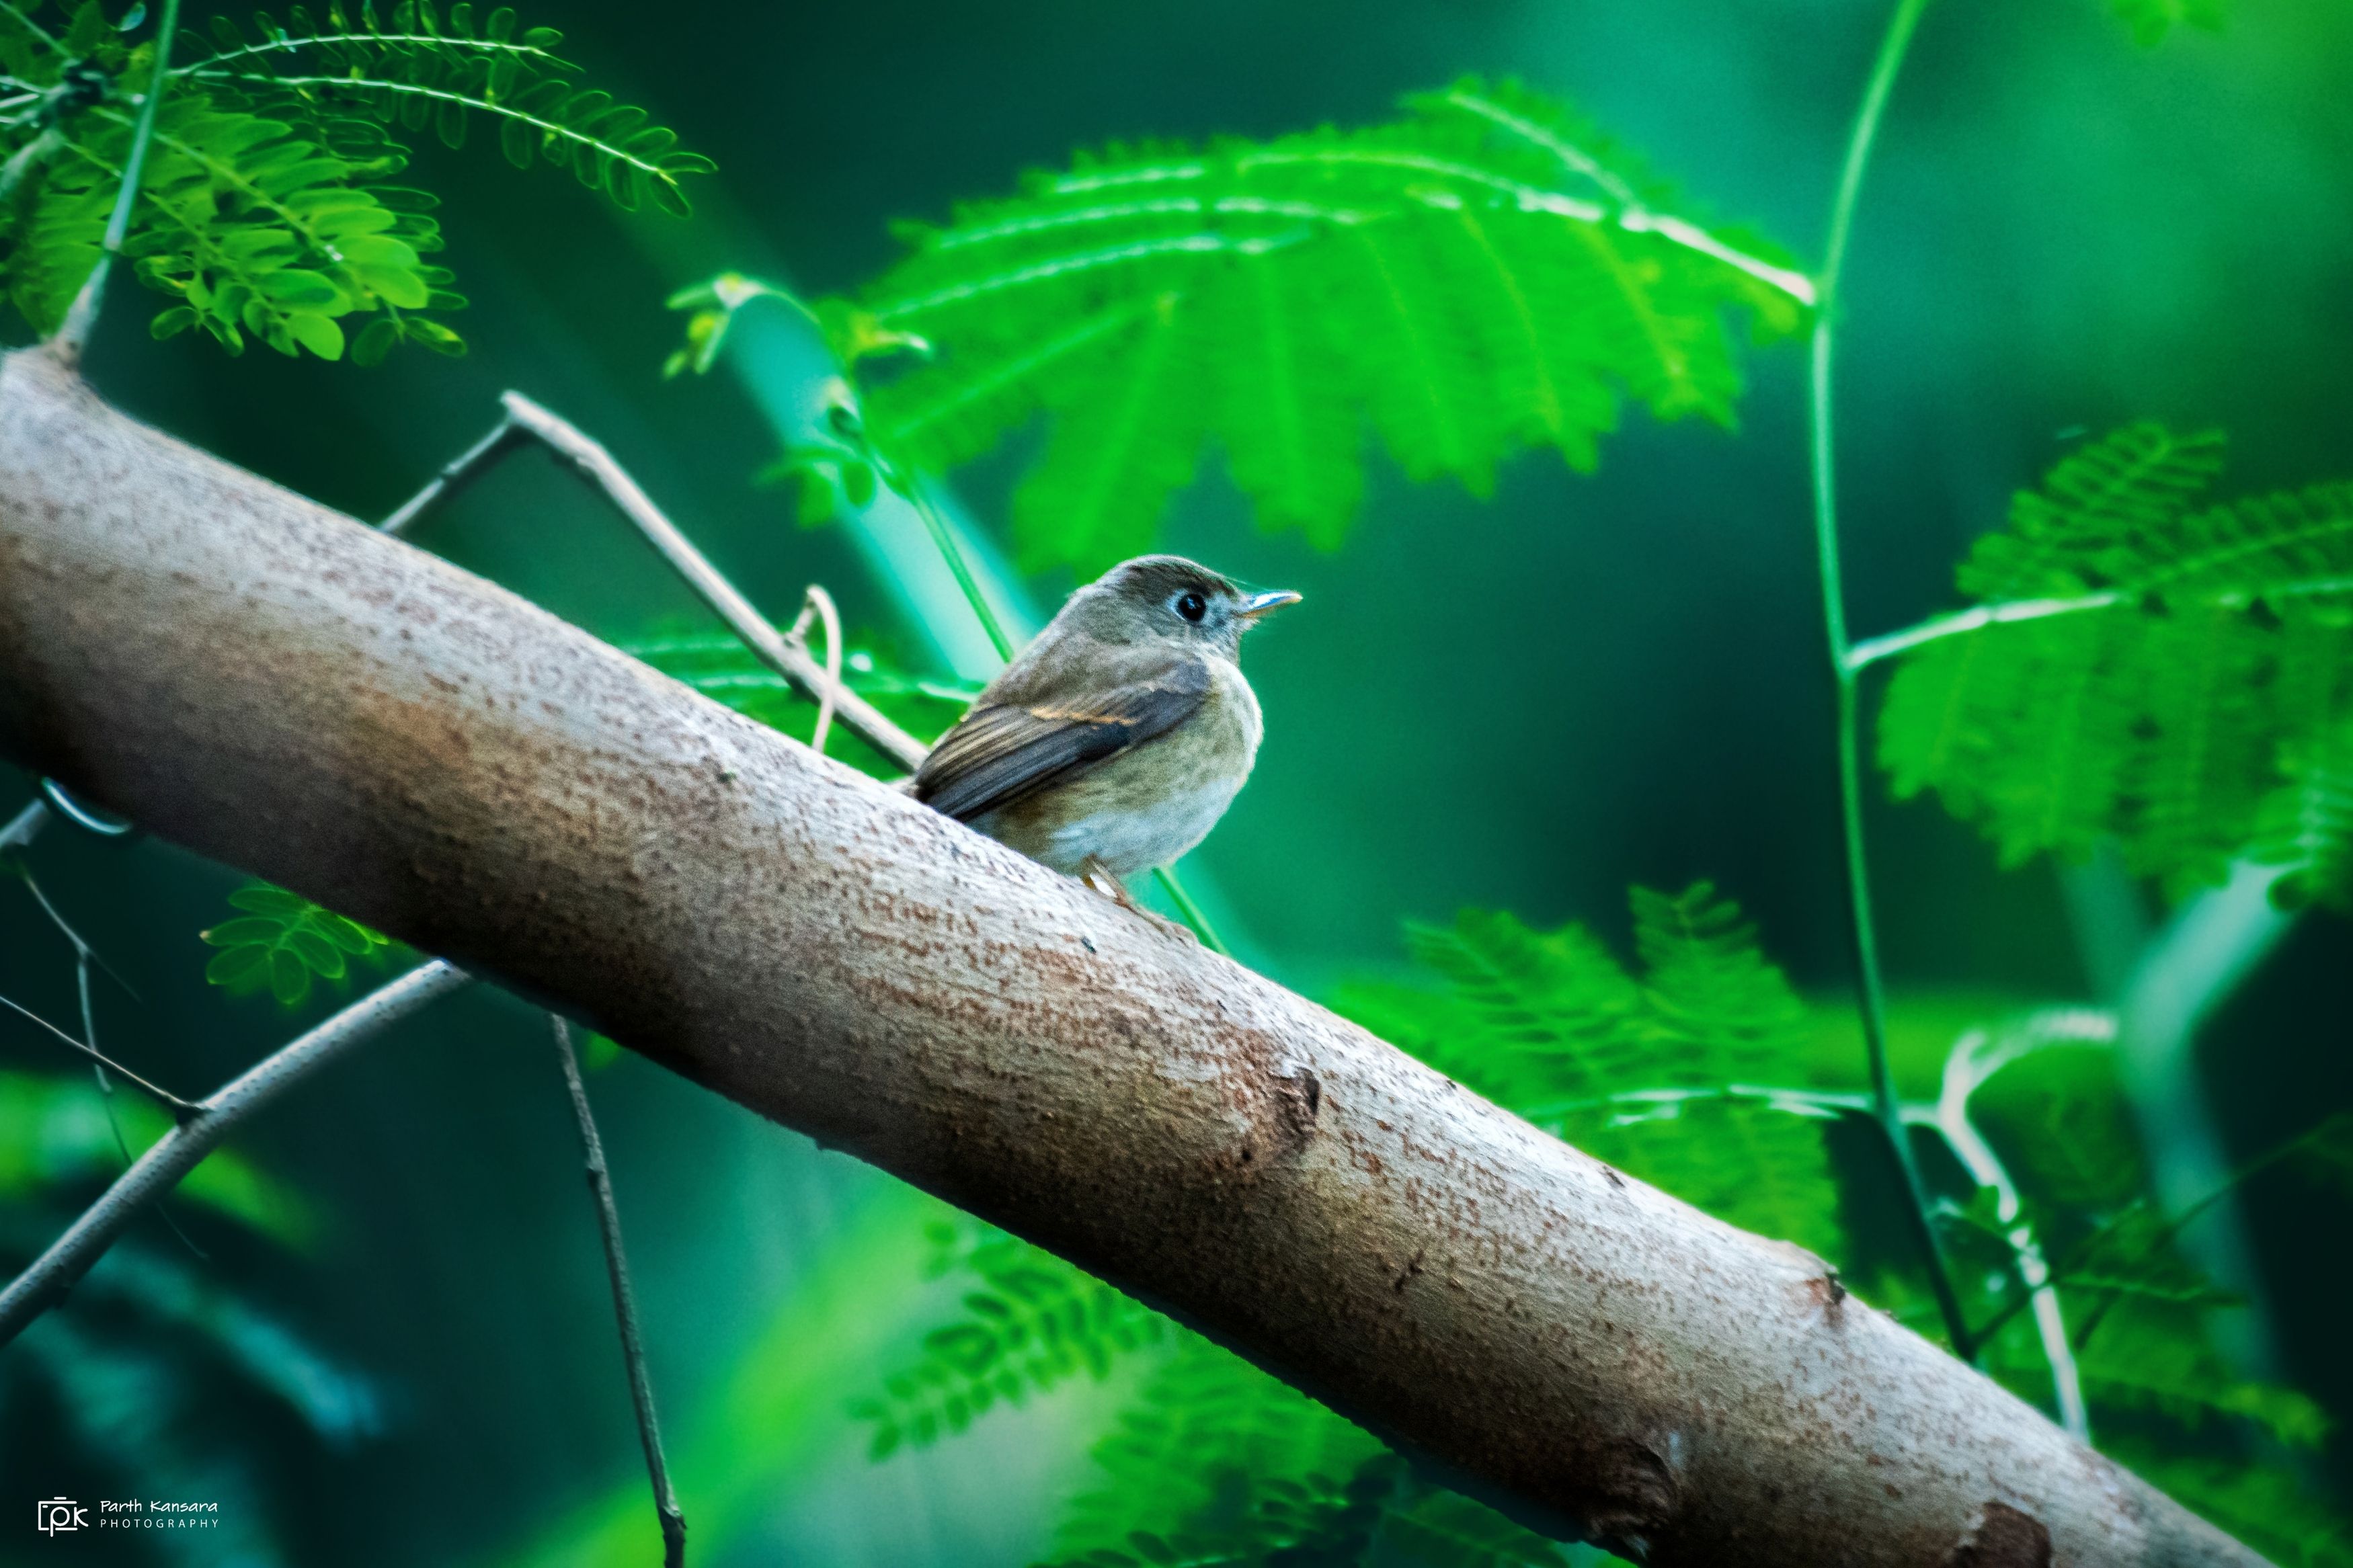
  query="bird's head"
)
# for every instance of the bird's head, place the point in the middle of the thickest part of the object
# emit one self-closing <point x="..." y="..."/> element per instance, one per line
<point x="1168" y="599"/>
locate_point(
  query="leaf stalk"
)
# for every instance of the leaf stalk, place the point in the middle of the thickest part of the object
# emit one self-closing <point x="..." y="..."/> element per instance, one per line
<point x="1871" y="999"/>
<point x="81" y="317"/>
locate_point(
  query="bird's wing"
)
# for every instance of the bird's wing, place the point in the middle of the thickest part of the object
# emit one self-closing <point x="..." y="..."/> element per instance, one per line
<point x="1006" y="752"/>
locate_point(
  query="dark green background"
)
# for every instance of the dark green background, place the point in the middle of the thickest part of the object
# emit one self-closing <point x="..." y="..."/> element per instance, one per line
<point x="1524" y="704"/>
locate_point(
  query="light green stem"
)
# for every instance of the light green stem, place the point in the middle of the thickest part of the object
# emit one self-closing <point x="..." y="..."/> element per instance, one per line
<point x="953" y="553"/>
<point x="1190" y="910"/>
<point x="1873" y="999"/>
<point x="81" y="317"/>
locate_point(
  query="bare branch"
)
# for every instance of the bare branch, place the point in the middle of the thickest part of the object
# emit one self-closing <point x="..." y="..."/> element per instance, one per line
<point x="456" y="474"/>
<point x="286" y="690"/>
<point x="210" y="1120"/>
<point x="625" y="1304"/>
<point x="180" y="1106"/>
<point x="772" y="648"/>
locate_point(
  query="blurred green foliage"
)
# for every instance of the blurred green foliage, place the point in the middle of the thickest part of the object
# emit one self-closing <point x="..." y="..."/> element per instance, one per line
<point x="1481" y="273"/>
<point x="2176" y="681"/>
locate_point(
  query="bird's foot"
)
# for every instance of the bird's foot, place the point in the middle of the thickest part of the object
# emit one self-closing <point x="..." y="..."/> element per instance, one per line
<point x="1100" y="877"/>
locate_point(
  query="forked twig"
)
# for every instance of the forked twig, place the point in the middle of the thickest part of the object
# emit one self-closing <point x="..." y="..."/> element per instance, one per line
<point x="624" y="1303"/>
<point x="778" y="652"/>
<point x="210" y="1120"/>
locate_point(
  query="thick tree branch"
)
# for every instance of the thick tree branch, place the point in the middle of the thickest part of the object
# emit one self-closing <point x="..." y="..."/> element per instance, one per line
<point x="277" y="686"/>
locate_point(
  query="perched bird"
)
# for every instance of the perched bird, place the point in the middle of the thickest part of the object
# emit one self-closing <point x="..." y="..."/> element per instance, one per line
<point x="1120" y="736"/>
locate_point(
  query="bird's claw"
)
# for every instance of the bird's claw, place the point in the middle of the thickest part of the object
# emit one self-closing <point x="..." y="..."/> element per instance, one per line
<point x="1099" y="877"/>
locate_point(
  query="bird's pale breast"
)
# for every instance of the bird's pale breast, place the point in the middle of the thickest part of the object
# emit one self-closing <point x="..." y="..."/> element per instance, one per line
<point x="1148" y="806"/>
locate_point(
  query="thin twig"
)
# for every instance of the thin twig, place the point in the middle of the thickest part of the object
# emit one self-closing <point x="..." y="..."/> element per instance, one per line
<point x="1870" y="985"/>
<point x="1871" y="650"/>
<point x="25" y="827"/>
<point x="82" y="316"/>
<point x="180" y="1108"/>
<point x="1975" y="1058"/>
<point x="772" y="648"/>
<point x="818" y="603"/>
<point x="172" y="1156"/>
<point x="1191" y="911"/>
<point x="943" y="539"/>
<point x="625" y="1304"/>
<point x="456" y="474"/>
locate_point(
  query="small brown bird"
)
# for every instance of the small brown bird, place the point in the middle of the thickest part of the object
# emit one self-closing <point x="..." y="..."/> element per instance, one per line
<point x="1120" y="736"/>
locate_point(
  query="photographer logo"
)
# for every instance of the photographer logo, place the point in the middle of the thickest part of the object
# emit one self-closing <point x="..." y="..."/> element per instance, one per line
<point x="58" y="1514"/>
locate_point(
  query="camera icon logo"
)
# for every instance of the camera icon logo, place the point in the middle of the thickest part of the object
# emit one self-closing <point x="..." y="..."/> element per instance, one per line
<point x="58" y="1514"/>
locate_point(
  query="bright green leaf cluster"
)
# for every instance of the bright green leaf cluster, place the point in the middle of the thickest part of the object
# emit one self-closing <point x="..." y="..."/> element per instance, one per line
<point x="282" y="943"/>
<point x="418" y="68"/>
<point x="270" y="209"/>
<point x="2178" y="680"/>
<point x="1482" y="275"/>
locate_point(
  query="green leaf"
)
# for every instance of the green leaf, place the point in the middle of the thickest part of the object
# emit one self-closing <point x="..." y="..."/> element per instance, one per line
<point x="1483" y="274"/>
<point x="316" y="332"/>
<point x="283" y="942"/>
<point x="420" y="78"/>
<point x="2180" y="681"/>
<point x="1633" y="1069"/>
<point x="1039" y="1324"/>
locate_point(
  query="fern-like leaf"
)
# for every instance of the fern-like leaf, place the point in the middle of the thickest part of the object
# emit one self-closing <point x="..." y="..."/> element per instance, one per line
<point x="269" y="209"/>
<point x="1482" y="275"/>
<point x="2178" y="679"/>
<point x="422" y="69"/>
<point x="1189" y="1453"/>
<point x="1032" y="1324"/>
<point x="1627" y="1068"/>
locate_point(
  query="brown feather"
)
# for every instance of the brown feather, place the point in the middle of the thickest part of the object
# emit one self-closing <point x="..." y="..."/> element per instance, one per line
<point x="1002" y="752"/>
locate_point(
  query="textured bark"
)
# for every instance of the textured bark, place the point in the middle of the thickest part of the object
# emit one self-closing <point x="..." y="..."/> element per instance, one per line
<point x="275" y="685"/>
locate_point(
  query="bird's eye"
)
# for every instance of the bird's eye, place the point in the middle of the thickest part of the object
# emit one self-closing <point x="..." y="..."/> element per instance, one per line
<point x="1191" y="606"/>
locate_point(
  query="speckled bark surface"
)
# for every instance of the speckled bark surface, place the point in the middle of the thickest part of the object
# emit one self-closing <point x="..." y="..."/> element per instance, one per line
<point x="274" y="685"/>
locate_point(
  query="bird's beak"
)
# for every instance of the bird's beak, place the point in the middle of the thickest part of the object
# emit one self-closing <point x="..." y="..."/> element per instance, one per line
<point x="1257" y="605"/>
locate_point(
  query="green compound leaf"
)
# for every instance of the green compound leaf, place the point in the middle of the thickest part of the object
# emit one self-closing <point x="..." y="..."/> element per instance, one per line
<point x="270" y="210"/>
<point x="283" y="942"/>
<point x="1485" y="274"/>
<point x="1032" y="1324"/>
<point x="1631" y="1068"/>
<point x="420" y="69"/>
<point x="2178" y="680"/>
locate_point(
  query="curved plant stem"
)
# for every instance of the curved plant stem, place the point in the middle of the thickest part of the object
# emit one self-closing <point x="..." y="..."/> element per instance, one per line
<point x="953" y="553"/>
<point x="1871" y="997"/>
<point x="1190" y="910"/>
<point x="82" y="315"/>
